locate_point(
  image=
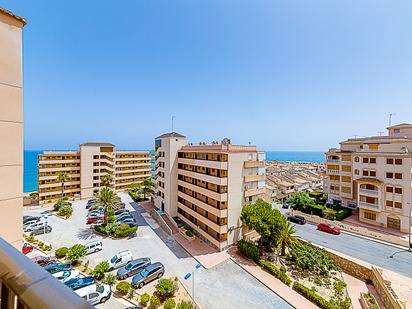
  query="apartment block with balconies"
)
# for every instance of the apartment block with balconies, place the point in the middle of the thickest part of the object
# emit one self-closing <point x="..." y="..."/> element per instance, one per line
<point x="208" y="185"/>
<point x="373" y="175"/>
<point x="85" y="169"/>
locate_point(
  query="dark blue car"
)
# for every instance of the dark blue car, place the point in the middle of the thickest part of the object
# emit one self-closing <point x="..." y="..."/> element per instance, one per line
<point x="77" y="283"/>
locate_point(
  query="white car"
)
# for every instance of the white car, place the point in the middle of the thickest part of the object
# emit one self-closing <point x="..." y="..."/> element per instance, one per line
<point x="95" y="293"/>
<point x="34" y="226"/>
<point x="94" y="246"/>
<point x="120" y="259"/>
<point x="66" y="275"/>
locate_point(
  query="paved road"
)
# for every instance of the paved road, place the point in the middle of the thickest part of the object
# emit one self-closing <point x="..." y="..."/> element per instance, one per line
<point x="360" y="248"/>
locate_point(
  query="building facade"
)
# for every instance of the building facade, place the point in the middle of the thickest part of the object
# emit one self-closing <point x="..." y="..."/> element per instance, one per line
<point x="206" y="186"/>
<point x="373" y="174"/>
<point x="85" y="169"/>
<point x="11" y="127"/>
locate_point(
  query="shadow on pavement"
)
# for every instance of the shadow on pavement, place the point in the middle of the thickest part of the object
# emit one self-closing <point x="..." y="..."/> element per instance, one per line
<point x="85" y="234"/>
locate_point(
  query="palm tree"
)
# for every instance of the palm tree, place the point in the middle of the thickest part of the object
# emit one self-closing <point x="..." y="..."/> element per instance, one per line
<point x="106" y="180"/>
<point x="62" y="177"/>
<point x="106" y="198"/>
<point x="286" y="237"/>
<point x="147" y="186"/>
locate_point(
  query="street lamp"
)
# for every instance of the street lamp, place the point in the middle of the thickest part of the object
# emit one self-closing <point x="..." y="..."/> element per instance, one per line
<point x="409" y="233"/>
<point x="192" y="274"/>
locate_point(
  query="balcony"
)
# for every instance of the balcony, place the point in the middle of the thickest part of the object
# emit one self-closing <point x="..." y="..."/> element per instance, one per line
<point x="221" y="229"/>
<point x="25" y="284"/>
<point x="368" y="205"/>
<point x="222" y="213"/>
<point x="254" y="191"/>
<point x="254" y="178"/>
<point x="222" y="197"/>
<point x="252" y="164"/>
<point x="221" y="181"/>
<point x="334" y="160"/>
<point x="332" y="172"/>
<point x="374" y="193"/>
<point x="221" y="165"/>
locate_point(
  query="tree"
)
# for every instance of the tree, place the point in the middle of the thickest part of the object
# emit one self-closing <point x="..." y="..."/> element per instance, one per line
<point x="147" y="187"/>
<point x="62" y="177"/>
<point x="166" y="288"/>
<point x="76" y="252"/>
<point x="286" y="237"/>
<point x="100" y="269"/>
<point x="106" y="198"/>
<point x="110" y="279"/>
<point x="300" y="201"/>
<point x="264" y="220"/>
<point x="106" y="180"/>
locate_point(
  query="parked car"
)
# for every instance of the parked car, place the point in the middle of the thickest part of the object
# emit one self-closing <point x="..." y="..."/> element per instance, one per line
<point x="57" y="267"/>
<point x="27" y="248"/>
<point x="329" y="228"/>
<point x="95" y="294"/>
<point x="94" y="246"/>
<point x="34" y="226"/>
<point x="297" y="219"/>
<point x="124" y="216"/>
<point x="66" y="275"/>
<point x="95" y="213"/>
<point x="98" y="222"/>
<point x="78" y="283"/>
<point x="94" y="219"/>
<point x="27" y="219"/>
<point x="133" y="267"/>
<point x="285" y="205"/>
<point x="120" y="211"/>
<point x="148" y="274"/>
<point x="42" y="261"/>
<point x="41" y="230"/>
<point x="120" y="259"/>
<point x="129" y="221"/>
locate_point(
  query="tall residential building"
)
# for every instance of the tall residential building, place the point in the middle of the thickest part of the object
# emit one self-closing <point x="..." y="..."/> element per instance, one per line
<point x="11" y="127"/>
<point x="85" y="169"/>
<point x="373" y="174"/>
<point x="206" y="186"/>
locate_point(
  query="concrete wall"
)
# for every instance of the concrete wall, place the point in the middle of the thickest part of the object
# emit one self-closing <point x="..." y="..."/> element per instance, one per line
<point x="86" y="170"/>
<point x="11" y="130"/>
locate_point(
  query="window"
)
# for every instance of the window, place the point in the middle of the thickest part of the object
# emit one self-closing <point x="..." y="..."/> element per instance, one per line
<point x="389" y="161"/>
<point x="398" y="205"/>
<point x="396" y="130"/>
<point x="356" y="159"/>
<point x="398" y="161"/>
<point x="365" y="173"/>
<point x="373" y="147"/>
<point x="398" y="175"/>
<point x="398" y="190"/>
<point x="389" y="175"/>
<point x="369" y="216"/>
<point x="389" y="203"/>
<point x="365" y="160"/>
<point x="372" y="160"/>
<point x="389" y="189"/>
<point x="372" y="173"/>
<point x="356" y="172"/>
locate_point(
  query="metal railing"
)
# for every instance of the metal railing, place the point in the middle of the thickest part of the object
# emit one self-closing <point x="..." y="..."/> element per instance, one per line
<point x="24" y="284"/>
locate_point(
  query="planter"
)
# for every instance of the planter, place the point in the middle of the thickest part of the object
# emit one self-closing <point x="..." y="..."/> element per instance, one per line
<point x="368" y="301"/>
<point x="183" y="231"/>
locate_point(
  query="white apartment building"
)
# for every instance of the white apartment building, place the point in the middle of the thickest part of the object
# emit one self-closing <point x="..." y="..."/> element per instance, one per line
<point x="206" y="186"/>
<point x="373" y="174"/>
<point x="85" y="169"/>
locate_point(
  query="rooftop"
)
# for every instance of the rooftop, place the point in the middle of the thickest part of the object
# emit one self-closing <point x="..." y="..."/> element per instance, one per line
<point x="98" y="144"/>
<point x="170" y="134"/>
<point x="219" y="148"/>
<point x="11" y="14"/>
<point x="401" y="125"/>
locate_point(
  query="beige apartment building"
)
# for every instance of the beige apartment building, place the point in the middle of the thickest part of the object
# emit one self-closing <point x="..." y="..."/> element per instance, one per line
<point x="373" y="174"/>
<point x="11" y="127"/>
<point x="206" y="186"/>
<point x="85" y="169"/>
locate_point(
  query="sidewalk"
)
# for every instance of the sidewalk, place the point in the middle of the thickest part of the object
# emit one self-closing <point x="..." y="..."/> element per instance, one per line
<point x="271" y="282"/>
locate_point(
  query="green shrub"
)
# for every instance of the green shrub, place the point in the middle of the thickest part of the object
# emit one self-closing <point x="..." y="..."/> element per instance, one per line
<point x="169" y="303"/>
<point x="124" y="230"/>
<point x="185" y="305"/>
<point x="100" y="269"/>
<point x="307" y="257"/>
<point x="282" y="269"/>
<point x="130" y="293"/>
<point x="190" y="233"/>
<point x="65" y="210"/>
<point x="166" y="288"/>
<point x="343" y="214"/>
<point x="316" y="210"/>
<point x="144" y="300"/>
<point x="123" y="287"/>
<point x="109" y="279"/>
<point x="275" y="272"/>
<point x="61" y="252"/>
<point x="154" y="302"/>
<point x="111" y="219"/>
<point x="339" y="286"/>
<point x="318" y="281"/>
<point x="76" y="252"/>
<point x="249" y="250"/>
<point x="313" y="297"/>
<point x="101" y="228"/>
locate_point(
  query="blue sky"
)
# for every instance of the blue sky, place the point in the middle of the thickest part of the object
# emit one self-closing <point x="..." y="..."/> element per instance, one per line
<point x="284" y="75"/>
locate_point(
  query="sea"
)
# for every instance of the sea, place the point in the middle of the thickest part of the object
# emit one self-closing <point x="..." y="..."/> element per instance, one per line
<point x="30" y="163"/>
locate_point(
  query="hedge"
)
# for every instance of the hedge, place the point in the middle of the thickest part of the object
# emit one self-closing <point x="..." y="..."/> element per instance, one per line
<point x="342" y="214"/>
<point x="100" y="228"/>
<point x="123" y="287"/>
<point x="313" y="297"/>
<point x="249" y="250"/>
<point x="275" y="272"/>
<point x="316" y="210"/>
<point x="124" y="230"/>
<point x="61" y="252"/>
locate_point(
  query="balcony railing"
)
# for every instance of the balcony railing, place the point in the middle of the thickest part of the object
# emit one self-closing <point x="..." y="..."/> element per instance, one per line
<point x="368" y="205"/>
<point x="369" y="192"/>
<point x="24" y="284"/>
